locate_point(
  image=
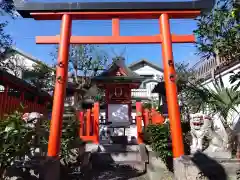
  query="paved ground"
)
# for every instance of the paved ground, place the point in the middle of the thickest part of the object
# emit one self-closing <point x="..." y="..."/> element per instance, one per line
<point x="117" y="172"/>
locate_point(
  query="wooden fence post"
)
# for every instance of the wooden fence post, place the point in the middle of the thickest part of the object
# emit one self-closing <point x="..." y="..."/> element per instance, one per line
<point x="88" y="122"/>
<point x="81" y="123"/>
<point x="96" y="122"/>
<point x="139" y="122"/>
<point x="146" y="117"/>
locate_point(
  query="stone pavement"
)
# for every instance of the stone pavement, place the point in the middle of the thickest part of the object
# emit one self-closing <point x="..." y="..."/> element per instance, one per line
<point x="117" y="172"/>
<point x="122" y="172"/>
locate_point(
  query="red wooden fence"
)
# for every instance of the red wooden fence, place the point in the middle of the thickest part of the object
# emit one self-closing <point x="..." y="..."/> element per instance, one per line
<point x="15" y="91"/>
<point x="144" y="117"/>
<point x="89" y="122"/>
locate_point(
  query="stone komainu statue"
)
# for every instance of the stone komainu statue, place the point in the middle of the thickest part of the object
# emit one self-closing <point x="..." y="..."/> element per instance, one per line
<point x="205" y="126"/>
<point x="199" y="129"/>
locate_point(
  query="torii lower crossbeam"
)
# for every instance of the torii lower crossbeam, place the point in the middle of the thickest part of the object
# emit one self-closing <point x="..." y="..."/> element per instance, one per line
<point x="157" y="39"/>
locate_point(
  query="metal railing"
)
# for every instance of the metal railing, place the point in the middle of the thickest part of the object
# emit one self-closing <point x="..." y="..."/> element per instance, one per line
<point x="209" y="67"/>
<point x="143" y="93"/>
<point x="137" y="93"/>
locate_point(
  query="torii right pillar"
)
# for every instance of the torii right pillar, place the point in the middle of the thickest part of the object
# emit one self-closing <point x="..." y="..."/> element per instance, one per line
<point x="171" y="91"/>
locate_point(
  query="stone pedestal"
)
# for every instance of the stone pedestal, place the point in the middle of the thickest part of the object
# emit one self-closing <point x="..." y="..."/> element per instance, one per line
<point x="52" y="169"/>
<point x="200" y="166"/>
<point x="219" y="155"/>
<point x="156" y="168"/>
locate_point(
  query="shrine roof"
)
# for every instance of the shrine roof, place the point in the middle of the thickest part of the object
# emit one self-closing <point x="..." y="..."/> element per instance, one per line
<point x="119" y="63"/>
<point x="25" y="8"/>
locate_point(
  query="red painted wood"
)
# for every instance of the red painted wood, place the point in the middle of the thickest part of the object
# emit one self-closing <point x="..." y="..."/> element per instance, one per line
<point x="146" y="117"/>
<point x="96" y="110"/>
<point x="166" y="38"/>
<point x="107" y="102"/>
<point x="1" y="103"/>
<point x="91" y="122"/>
<point x="7" y="100"/>
<point x="88" y="121"/>
<point x="139" y="122"/>
<point x="157" y="118"/>
<point x="10" y="103"/>
<point x="81" y="122"/>
<point x="155" y="39"/>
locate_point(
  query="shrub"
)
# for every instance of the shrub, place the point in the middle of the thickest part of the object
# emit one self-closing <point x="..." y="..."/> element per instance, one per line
<point x="158" y="137"/>
<point x="69" y="140"/>
<point x="15" y="141"/>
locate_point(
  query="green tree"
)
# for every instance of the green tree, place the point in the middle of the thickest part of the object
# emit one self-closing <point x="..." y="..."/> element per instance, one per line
<point x="219" y="99"/>
<point x="6" y="52"/>
<point x="85" y="62"/>
<point x="196" y="97"/>
<point x="218" y="32"/>
<point x="218" y="36"/>
<point x="190" y="91"/>
<point x="41" y="76"/>
<point x="6" y="7"/>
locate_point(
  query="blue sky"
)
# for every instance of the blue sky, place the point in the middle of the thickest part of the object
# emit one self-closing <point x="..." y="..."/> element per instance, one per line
<point x="23" y="32"/>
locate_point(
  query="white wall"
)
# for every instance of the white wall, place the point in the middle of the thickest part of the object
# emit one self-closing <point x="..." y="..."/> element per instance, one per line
<point x="150" y="85"/>
<point x="225" y="77"/>
<point x="233" y="117"/>
<point x="20" y="62"/>
<point x="147" y="70"/>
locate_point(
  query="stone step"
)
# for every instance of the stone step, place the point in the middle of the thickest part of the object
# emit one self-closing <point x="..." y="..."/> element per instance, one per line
<point x="118" y="148"/>
<point x="111" y="157"/>
<point x="116" y="151"/>
<point x="139" y="166"/>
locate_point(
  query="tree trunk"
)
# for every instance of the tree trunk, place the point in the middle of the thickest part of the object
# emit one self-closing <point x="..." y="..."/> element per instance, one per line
<point x="238" y="145"/>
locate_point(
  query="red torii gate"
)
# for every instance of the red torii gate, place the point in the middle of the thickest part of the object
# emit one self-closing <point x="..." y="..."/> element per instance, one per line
<point x="115" y="11"/>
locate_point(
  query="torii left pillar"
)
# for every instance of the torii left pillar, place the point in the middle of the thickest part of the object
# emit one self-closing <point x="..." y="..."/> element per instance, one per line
<point x="53" y="166"/>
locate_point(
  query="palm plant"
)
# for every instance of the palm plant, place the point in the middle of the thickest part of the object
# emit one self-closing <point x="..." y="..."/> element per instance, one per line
<point x="192" y="95"/>
<point x="235" y="79"/>
<point x="223" y="100"/>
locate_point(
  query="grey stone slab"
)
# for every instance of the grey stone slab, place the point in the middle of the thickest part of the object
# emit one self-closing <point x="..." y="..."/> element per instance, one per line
<point x="26" y="8"/>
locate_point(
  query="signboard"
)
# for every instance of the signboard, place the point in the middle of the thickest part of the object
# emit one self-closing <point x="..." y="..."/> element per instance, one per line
<point x="118" y="113"/>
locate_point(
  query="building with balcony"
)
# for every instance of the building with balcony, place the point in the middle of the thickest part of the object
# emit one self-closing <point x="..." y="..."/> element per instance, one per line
<point x="17" y="61"/>
<point x="14" y="90"/>
<point x="153" y="74"/>
<point x="212" y="69"/>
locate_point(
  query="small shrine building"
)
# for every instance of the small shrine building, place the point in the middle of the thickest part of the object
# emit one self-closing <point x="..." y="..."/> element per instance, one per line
<point x="117" y="82"/>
